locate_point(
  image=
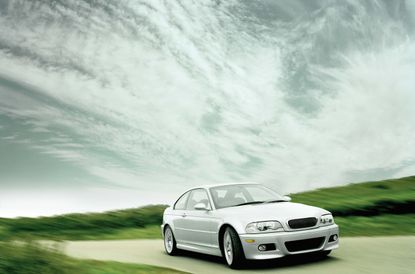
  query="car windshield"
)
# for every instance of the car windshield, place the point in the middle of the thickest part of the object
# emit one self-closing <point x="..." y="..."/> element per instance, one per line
<point x="237" y="195"/>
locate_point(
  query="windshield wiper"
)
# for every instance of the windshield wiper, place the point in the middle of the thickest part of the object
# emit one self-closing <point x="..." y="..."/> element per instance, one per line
<point x="275" y="201"/>
<point x="251" y="203"/>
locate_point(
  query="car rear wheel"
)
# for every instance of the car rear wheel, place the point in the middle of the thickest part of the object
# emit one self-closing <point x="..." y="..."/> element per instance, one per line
<point x="169" y="242"/>
<point x="232" y="249"/>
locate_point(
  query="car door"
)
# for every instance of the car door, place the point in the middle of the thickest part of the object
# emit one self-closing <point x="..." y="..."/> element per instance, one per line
<point x="178" y="215"/>
<point x="200" y="225"/>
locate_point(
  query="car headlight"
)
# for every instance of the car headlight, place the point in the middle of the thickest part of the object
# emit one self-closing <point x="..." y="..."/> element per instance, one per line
<point x="263" y="227"/>
<point x="326" y="220"/>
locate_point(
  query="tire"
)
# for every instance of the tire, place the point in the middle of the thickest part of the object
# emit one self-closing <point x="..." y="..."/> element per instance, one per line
<point x="232" y="249"/>
<point x="169" y="242"/>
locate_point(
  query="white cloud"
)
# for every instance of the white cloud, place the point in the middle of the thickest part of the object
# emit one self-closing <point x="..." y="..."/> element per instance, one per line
<point x="213" y="97"/>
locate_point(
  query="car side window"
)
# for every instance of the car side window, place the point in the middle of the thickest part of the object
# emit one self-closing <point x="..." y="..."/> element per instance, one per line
<point x="198" y="196"/>
<point x="181" y="202"/>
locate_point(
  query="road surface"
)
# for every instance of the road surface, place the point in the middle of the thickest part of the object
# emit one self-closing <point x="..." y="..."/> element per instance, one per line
<point x="389" y="255"/>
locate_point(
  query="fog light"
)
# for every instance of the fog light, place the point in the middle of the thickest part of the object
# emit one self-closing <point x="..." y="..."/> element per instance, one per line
<point x="333" y="238"/>
<point x="267" y="247"/>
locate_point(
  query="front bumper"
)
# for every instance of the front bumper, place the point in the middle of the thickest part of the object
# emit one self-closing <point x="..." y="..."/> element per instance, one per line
<point x="250" y="242"/>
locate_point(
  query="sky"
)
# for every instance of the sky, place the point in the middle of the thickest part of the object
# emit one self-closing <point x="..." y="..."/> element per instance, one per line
<point x="121" y="104"/>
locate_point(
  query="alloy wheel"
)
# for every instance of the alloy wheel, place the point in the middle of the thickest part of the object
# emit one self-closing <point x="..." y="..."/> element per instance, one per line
<point x="227" y="247"/>
<point x="168" y="240"/>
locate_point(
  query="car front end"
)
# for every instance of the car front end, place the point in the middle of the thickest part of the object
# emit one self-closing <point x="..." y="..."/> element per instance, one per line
<point x="275" y="239"/>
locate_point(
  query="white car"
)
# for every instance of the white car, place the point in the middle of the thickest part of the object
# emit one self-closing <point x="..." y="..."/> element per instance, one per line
<point x="246" y="221"/>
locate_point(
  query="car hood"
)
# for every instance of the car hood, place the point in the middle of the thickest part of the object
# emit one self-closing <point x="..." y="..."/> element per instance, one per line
<point x="281" y="212"/>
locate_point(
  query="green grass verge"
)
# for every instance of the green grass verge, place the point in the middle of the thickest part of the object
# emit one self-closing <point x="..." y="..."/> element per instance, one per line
<point x="96" y="222"/>
<point x="29" y="258"/>
<point x="361" y="195"/>
<point x="100" y="267"/>
<point x="382" y="225"/>
<point x="148" y="232"/>
<point x="121" y="224"/>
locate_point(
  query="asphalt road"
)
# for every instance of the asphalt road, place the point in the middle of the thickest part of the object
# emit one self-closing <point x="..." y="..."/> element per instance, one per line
<point x="389" y="255"/>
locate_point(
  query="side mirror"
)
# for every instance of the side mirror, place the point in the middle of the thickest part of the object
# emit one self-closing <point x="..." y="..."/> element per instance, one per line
<point x="287" y="198"/>
<point x="201" y="206"/>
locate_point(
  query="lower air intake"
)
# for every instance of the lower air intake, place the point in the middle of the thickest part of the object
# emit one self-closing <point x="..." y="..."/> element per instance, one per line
<point x="307" y="244"/>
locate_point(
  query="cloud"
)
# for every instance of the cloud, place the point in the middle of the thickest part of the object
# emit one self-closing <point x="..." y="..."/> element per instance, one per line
<point x="154" y="95"/>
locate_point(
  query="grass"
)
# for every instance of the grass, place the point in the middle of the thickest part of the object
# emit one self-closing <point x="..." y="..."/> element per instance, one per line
<point x="29" y="258"/>
<point x="148" y="232"/>
<point x="99" y="267"/>
<point x="382" y="225"/>
<point x="121" y="224"/>
<point x="97" y="222"/>
<point x="361" y="195"/>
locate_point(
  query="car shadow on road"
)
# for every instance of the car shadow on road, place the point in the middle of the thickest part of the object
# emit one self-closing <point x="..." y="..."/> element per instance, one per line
<point x="290" y="261"/>
<point x="285" y="262"/>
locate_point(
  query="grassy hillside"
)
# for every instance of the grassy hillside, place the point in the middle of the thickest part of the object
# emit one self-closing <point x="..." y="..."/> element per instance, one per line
<point x="141" y="222"/>
<point x="373" y="208"/>
<point x="28" y="258"/>
<point x="394" y="196"/>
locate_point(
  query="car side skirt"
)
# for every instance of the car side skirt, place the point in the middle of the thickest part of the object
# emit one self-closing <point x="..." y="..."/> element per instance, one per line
<point x="210" y="250"/>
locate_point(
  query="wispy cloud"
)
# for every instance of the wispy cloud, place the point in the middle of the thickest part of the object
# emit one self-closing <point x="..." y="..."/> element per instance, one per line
<point x="175" y="98"/>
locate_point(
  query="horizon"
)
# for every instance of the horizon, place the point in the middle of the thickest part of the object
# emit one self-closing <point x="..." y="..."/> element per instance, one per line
<point x="168" y="201"/>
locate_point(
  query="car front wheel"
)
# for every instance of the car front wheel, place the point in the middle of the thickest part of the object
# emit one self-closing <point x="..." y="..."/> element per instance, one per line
<point x="232" y="249"/>
<point x="169" y="242"/>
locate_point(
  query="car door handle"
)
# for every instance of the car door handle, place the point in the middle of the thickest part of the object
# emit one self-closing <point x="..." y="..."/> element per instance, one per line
<point x="184" y="215"/>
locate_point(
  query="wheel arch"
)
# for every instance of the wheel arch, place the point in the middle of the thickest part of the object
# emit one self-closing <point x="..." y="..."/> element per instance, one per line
<point x="167" y="221"/>
<point x="222" y="230"/>
<point x="165" y="227"/>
